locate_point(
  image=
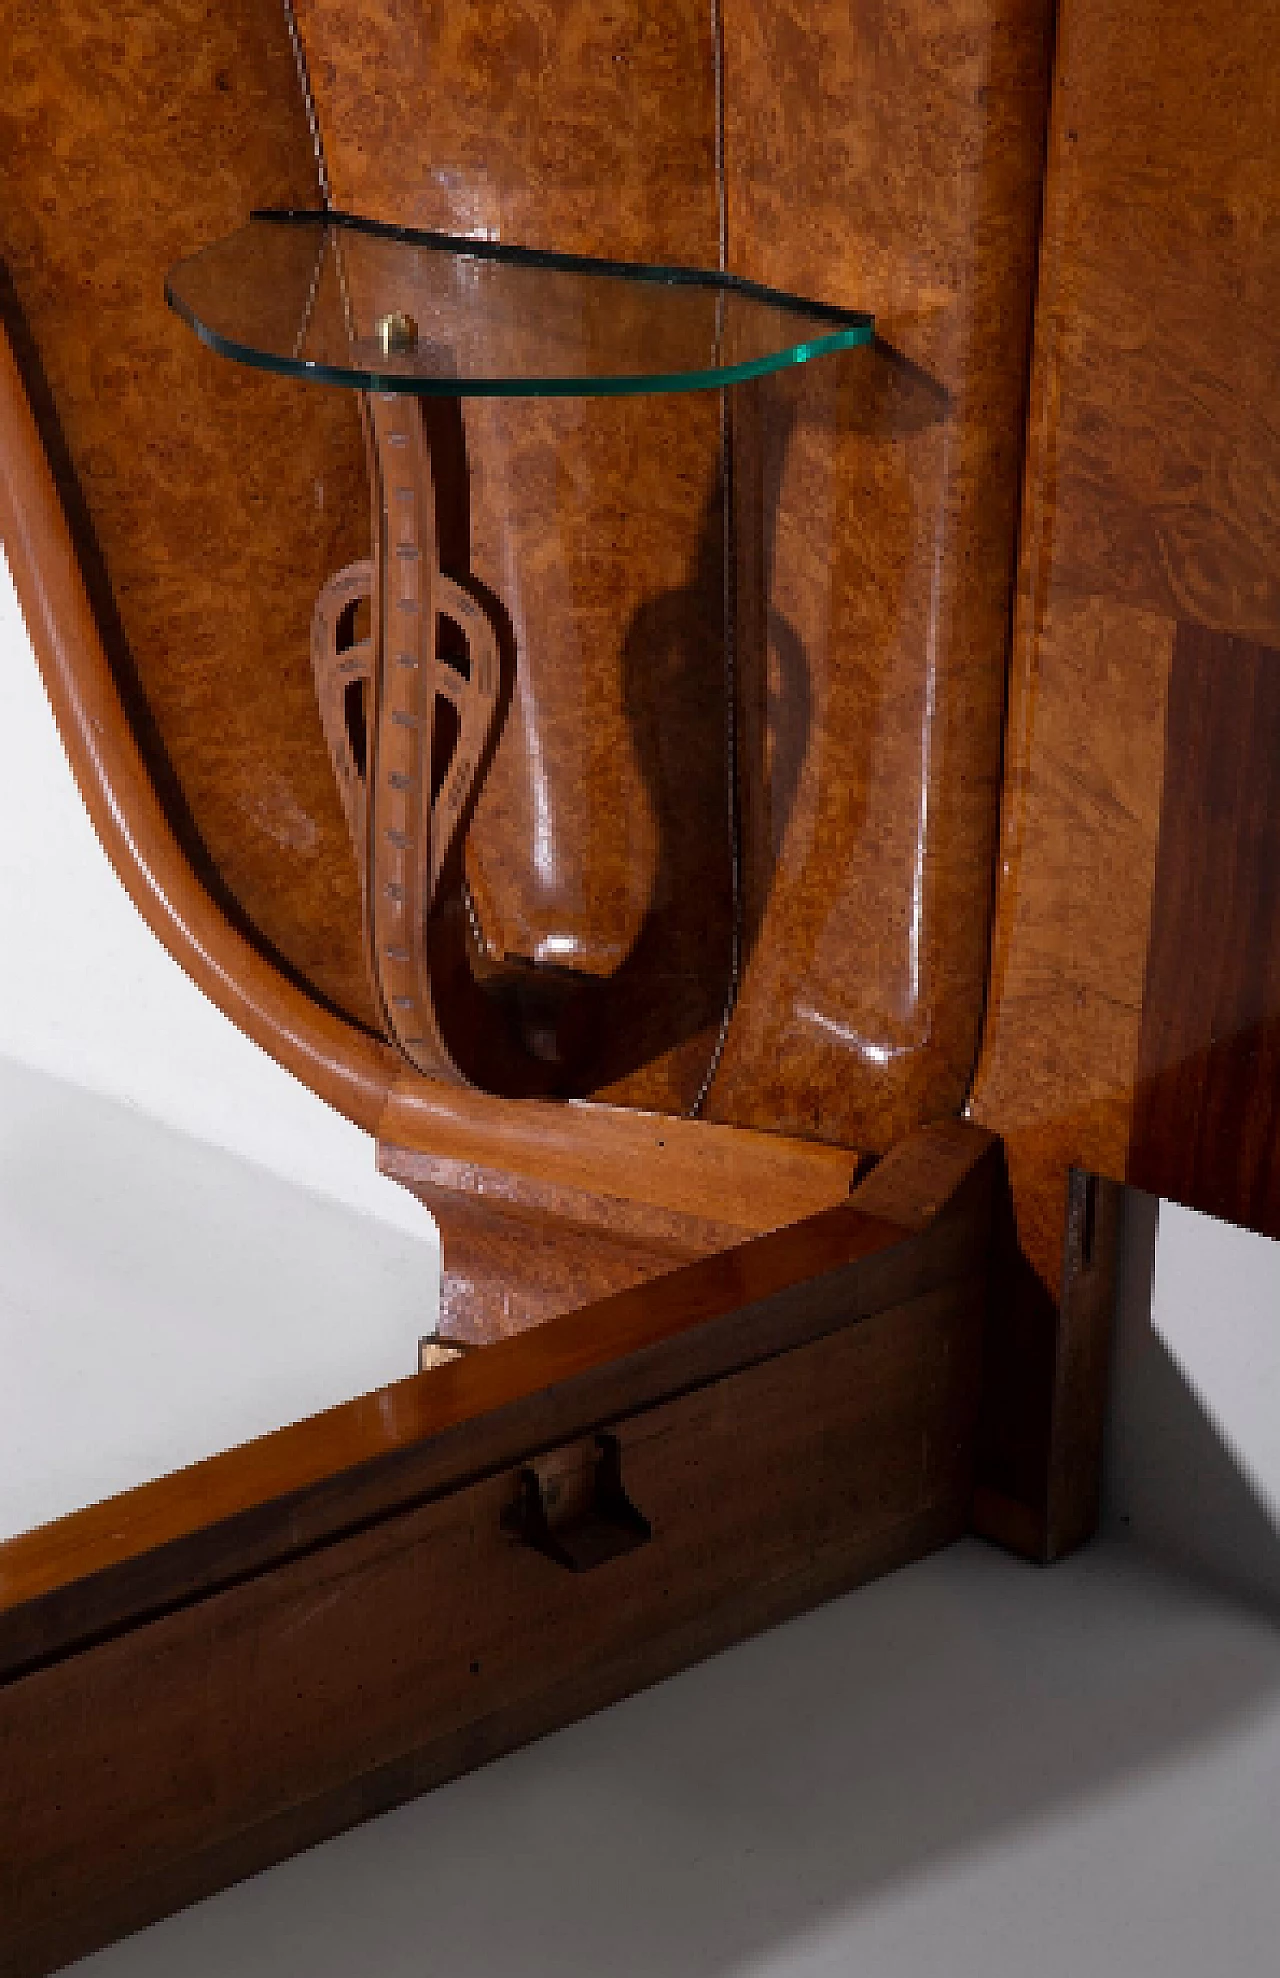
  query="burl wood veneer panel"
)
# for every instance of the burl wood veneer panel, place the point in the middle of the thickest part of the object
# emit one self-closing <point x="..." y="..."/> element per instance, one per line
<point x="230" y="1663"/>
<point x="1135" y="974"/>
<point x="209" y="503"/>
<point x="1082" y="815"/>
<point x="600" y="842"/>
<point x="886" y="158"/>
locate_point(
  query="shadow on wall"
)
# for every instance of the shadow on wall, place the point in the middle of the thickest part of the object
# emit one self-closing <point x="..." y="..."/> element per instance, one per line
<point x="1173" y="1480"/>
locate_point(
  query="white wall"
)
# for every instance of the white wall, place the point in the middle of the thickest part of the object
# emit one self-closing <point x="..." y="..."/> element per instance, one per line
<point x="88" y="993"/>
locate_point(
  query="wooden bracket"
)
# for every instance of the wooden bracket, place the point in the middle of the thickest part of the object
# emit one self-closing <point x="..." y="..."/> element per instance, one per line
<point x="571" y="1507"/>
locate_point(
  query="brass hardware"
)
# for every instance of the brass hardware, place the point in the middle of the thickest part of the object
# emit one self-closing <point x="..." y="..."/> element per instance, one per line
<point x="397" y="334"/>
<point x="578" y="1529"/>
<point x="433" y="1351"/>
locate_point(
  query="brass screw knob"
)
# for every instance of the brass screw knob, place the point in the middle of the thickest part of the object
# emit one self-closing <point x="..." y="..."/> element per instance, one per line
<point x="397" y="334"/>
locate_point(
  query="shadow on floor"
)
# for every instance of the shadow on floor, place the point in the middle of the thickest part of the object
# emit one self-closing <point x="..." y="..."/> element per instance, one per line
<point x="1173" y="1481"/>
<point x="161" y="1300"/>
<point x="712" y="1824"/>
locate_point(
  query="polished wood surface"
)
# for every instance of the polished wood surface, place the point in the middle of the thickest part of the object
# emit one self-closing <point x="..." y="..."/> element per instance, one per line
<point x="1134" y="978"/>
<point x="1206" y="1112"/>
<point x="342" y="669"/>
<point x="746" y="1610"/>
<point x="791" y="1419"/>
<point x="753" y="1181"/>
<point x="253" y="1507"/>
<point x="878" y="500"/>
<point x="892" y="159"/>
<point x="201" y="599"/>
<point x="545" y="1233"/>
<point x="1038" y="1471"/>
<point x="599" y="853"/>
<point x="872" y="502"/>
<point x="208" y="504"/>
<point x="218" y="1738"/>
<point x="515" y="1250"/>
<point x="724" y="1175"/>
<point x="543" y="1208"/>
<point x="825" y="576"/>
<point x="348" y="1068"/>
<point x="429" y="729"/>
<point x="870" y="533"/>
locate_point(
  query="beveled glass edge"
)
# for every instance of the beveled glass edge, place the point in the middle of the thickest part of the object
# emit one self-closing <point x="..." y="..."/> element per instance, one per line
<point x="851" y="328"/>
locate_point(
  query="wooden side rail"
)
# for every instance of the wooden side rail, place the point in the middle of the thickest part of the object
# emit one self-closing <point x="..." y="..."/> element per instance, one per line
<point x="227" y="1665"/>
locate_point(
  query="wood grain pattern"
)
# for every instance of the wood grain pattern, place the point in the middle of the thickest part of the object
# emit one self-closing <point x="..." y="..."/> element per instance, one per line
<point x="1149" y="512"/>
<point x="612" y="800"/>
<point x="1206" y="1116"/>
<point x="1084" y="767"/>
<point x="430" y="730"/>
<point x="873" y="562"/>
<point x="216" y="1738"/>
<point x="544" y="1208"/>
<point x="600" y="844"/>
<point x="1046" y="1381"/>
<point x="793" y="1418"/>
<point x="889" y="159"/>
<point x="1149" y="520"/>
<point x="349" y="1069"/>
<point x="1160" y="326"/>
<point x="752" y="1181"/>
<point x="551" y="1230"/>
<point x="209" y="505"/>
<point x="515" y="1249"/>
<point x="251" y="1508"/>
<point x="745" y="1611"/>
<point x="342" y="669"/>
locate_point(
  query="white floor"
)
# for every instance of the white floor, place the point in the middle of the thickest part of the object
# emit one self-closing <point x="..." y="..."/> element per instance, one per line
<point x="161" y="1299"/>
<point x="970" y="1770"/>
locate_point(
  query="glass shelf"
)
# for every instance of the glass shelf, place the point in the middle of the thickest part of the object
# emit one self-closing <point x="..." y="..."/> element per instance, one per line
<point x="349" y="301"/>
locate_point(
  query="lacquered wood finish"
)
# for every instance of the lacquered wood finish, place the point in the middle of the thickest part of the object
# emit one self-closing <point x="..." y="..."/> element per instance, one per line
<point x="431" y="728"/>
<point x="208" y="507"/>
<point x="598" y="867"/>
<point x="1135" y="977"/>
<point x="519" y="1247"/>
<point x="599" y="850"/>
<point x="870" y="681"/>
<point x="716" y="1175"/>
<point x="348" y="1068"/>
<point x="265" y="1684"/>
<point x="516" y="1250"/>
<point x="724" y="1175"/>
<point x="223" y="1737"/>
<point x="1206" y="1114"/>
<point x="892" y="156"/>
<point x="342" y="668"/>
<point x="927" y="1224"/>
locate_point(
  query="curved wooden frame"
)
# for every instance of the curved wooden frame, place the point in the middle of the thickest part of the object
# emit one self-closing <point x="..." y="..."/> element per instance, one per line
<point x="752" y="1181"/>
<point x="1131" y="1020"/>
